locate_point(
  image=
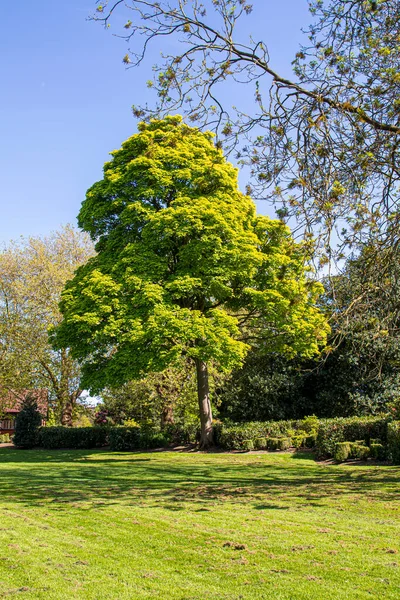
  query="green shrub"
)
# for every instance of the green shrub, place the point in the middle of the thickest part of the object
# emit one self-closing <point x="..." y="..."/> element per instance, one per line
<point x="260" y="443"/>
<point x="5" y="438"/>
<point x="362" y="452"/>
<point x="309" y="425"/>
<point x="311" y="439"/>
<point x="128" y="439"/>
<point x="333" y="431"/>
<point x="342" y="451"/>
<point x="230" y="436"/>
<point x="393" y="442"/>
<point x="248" y="445"/>
<point x="27" y="424"/>
<point x="188" y="433"/>
<point x="73" y="437"/>
<point x="377" y="451"/>
<point x="298" y="441"/>
<point x="284" y="443"/>
<point x="272" y="443"/>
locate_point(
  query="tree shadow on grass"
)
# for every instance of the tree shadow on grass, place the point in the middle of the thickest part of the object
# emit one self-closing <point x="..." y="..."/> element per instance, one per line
<point x="40" y="477"/>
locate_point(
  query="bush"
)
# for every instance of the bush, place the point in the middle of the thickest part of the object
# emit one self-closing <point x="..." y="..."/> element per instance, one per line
<point x="333" y="431"/>
<point x="248" y="445"/>
<point x="360" y="451"/>
<point x="128" y="439"/>
<point x="188" y="433"/>
<point x="5" y="438"/>
<point x="342" y="451"/>
<point x="27" y="424"/>
<point x="260" y="443"/>
<point x="54" y="438"/>
<point x="230" y="436"/>
<point x="272" y="444"/>
<point x="377" y="451"/>
<point x="298" y="441"/>
<point x="393" y="442"/>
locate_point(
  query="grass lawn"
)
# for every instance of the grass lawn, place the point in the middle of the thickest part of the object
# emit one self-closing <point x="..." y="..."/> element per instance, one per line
<point x="93" y="525"/>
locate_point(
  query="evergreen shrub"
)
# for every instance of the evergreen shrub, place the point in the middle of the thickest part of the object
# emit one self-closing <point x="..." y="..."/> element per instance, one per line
<point x="333" y="431"/>
<point x="128" y="439"/>
<point x="393" y="442"/>
<point x="377" y="451"/>
<point x="72" y="438"/>
<point x="27" y="424"/>
<point x="342" y="451"/>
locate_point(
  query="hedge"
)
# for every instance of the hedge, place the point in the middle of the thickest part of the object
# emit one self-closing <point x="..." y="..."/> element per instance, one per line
<point x="125" y="439"/>
<point x="393" y="442"/>
<point x="232" y="436"/>
<point x="73" y="437"/>
<point x="333" y="431"/>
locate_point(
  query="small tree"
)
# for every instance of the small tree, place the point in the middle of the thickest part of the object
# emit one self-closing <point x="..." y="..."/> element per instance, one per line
<point x="27" y="424"/>
<point x="185" y="268"/>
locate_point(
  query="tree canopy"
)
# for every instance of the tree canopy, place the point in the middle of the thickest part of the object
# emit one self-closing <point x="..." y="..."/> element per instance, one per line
<point x="323" y="145"/>
<point x="184" y="267"/>
<point x="33" y="273"/>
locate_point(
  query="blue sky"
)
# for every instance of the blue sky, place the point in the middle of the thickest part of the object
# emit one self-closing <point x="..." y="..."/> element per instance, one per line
<point x="66" y="102"/>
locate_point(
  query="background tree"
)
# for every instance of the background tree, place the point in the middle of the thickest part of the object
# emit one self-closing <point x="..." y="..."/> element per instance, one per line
<point x="158" y="400"/>
<point x="323" y="145"/>
<point x="185" y="268"/>
<point x="33" y="273"/>
<point x="360" y="374"/>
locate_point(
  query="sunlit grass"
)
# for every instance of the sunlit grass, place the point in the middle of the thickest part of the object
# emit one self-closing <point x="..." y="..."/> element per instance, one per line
<point x="94" y="525"/>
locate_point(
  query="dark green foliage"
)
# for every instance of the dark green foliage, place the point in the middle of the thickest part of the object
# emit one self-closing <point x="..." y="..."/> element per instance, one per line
<point x="333" y="431"/>
<point x="274" y="388"/>
<point x="182" y="433"/>
<point x="393" y="441"/>
<point x="125" y="439"/>
<point x="27" y="424"/>
<point x="342" y="451"/>
<point x="73" y="437"/>
<point x="377" y="451"/>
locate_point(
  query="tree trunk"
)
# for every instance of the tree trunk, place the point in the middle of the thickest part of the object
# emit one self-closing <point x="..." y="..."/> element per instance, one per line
<point x="203" y="394"/>
<point x="66" y="417"/>
<point x="167" y="415"/>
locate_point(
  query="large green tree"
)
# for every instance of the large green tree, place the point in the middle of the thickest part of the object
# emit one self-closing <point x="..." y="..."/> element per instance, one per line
<point x="33" y="272"/>
<point x="184" y="267"/>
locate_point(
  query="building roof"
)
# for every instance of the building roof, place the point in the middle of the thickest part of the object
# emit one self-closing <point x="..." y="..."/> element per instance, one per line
<point x="11" y="401"/>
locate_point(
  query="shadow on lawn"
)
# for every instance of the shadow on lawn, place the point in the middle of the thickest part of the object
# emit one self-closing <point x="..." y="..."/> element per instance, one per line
<point x="60" y="477"/>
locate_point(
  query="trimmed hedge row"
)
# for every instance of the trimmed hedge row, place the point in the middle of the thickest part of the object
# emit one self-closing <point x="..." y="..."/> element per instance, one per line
<point x="118" y="438"/>
<point x="341" y="438"/>
<point x="125" y="439"/>
<point x="270" y="435"/>
<point x="53" y="438"/>
<point x="352" y="429"/>
<point x="233" y="436"/>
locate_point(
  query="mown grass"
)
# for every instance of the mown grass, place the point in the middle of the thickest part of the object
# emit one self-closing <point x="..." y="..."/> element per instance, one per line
<point x="95" y="525"/>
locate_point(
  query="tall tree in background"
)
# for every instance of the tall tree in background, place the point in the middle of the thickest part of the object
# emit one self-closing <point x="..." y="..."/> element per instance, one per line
<point x="185" y="268"/>
<point x="324" y="144"/>
<point x="33" y="273"/>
